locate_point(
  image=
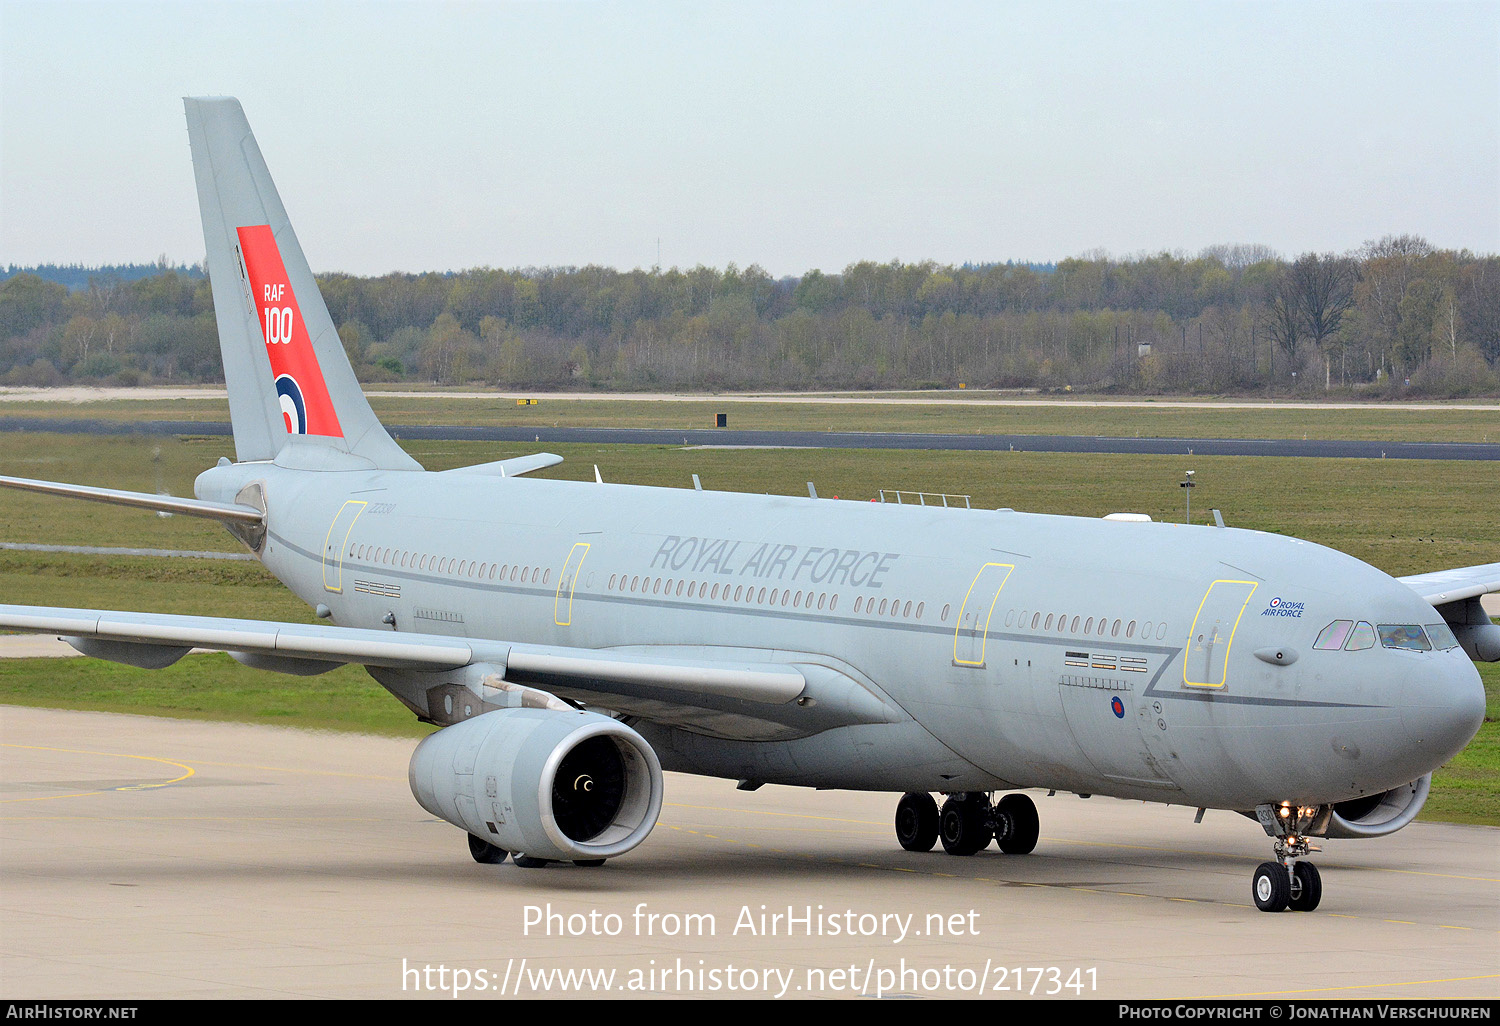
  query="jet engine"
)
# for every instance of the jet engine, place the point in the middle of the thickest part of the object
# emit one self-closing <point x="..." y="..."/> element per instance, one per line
<point x="1373" y="815"/>
<point x="554" y="784"/>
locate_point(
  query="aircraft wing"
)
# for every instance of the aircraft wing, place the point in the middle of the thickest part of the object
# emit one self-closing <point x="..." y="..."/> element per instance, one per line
<point x="1466" y="582"/>
<point x="155" y="640"/>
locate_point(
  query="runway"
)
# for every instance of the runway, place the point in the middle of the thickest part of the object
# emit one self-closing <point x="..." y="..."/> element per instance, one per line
<point x="83" y="394"/>
<point x="1348" y="449"/>
<point x="153" y="858"/>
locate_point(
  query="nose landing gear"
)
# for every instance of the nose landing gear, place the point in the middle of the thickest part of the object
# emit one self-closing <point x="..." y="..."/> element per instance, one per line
<point x="1287" y="883"/>
<point x="967" y="823"/>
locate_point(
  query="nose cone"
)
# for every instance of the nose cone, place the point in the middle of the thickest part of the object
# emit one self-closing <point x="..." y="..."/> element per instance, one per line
<point x="1444" y="706"/>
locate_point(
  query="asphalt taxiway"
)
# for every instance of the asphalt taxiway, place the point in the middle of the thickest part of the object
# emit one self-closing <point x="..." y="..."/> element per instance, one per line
<point x="154" y="858"/>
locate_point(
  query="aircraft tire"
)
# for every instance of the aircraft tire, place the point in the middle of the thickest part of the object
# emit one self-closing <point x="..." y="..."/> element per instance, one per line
<point x="917" y="821"/>
<point x="1307" y="888"/>
<point x="484" y="852"/>
<point x="528" y="862"/>
<point x="964" y="825"/>
<point x="588" y="863"/>
<point x="1024" y="825"/>
<point x="1271" y="887"/>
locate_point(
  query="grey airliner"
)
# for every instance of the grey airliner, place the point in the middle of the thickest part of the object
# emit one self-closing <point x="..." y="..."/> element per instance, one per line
<point x="573" y="639"/>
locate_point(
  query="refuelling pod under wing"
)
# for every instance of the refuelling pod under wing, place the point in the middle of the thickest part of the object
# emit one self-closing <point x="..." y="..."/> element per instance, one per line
<point x="550" y="783"/>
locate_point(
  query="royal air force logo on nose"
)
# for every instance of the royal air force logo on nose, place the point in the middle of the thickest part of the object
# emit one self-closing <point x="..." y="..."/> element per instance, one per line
<point x="293" y="407"/>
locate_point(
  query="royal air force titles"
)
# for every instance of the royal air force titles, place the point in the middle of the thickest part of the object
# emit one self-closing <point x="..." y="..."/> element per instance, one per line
<point x="773" y="561"/>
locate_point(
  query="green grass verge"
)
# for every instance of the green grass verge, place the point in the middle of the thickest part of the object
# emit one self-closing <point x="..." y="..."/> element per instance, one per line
<point x="957" y="414"/>
<point x="1404" y="516"/>
<point x="211" y="687"/>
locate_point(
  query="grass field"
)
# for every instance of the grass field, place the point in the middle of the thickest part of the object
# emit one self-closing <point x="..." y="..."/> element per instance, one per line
<point x="1403" y="516"/>
<point x="1383" y="422"/>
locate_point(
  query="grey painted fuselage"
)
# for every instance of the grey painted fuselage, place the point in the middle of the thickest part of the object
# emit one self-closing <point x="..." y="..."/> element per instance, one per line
<point x="1144" y="660"/>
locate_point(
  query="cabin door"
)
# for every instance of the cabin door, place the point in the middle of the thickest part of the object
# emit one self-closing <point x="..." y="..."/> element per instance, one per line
<point x="1205" y="660"/>
<point x="971" y="635"/>
<point x="336" y="545"/>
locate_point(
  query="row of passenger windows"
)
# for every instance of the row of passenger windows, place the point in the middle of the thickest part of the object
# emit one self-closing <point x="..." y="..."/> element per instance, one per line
<point x="470" y="568"/>
<point x="907" y="609"/>
<point x="1083" y="625"/>
<point x="716" y="592"/>
<point x="1349" y="636"/>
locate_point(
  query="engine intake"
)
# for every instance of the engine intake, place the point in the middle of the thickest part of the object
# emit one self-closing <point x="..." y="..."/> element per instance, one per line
<point x="1373" y="815"/>
<point x="552" y="784"/>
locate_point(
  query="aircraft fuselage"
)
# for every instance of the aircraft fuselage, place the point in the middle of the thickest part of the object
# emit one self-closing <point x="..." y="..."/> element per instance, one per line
<point x="1145" y="660"/>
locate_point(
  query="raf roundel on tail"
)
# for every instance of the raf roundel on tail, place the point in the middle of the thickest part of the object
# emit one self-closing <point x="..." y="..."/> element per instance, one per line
<point x="293" y="406"/>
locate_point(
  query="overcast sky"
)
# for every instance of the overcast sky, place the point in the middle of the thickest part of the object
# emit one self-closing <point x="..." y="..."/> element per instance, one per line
<point x="424" y="136"/>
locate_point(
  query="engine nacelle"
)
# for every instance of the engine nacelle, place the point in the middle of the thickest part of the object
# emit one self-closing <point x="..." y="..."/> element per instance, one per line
<point x="1374" y="815"/>
<point x="552" y="784"/>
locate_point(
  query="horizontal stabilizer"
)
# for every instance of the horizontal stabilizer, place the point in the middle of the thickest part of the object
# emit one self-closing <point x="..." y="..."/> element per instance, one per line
<point x="513" y="467"/>
<point x="224" y="511"/>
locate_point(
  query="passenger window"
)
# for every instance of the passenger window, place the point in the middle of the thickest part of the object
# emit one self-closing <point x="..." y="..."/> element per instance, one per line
<point x="1332" y="637"/>
<point x="1406" y="636"/>
<point x="1442" y="636"/>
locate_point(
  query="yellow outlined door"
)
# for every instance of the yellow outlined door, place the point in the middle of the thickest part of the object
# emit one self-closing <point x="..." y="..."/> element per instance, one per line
<point x="562" y="604"/>
<point x="972" y="632"/>
<point x="1205" y="661"/>
<point x="337" y="544"/>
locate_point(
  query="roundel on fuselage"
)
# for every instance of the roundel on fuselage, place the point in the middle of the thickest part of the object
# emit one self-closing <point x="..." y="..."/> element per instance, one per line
<point x="293" y="408"/>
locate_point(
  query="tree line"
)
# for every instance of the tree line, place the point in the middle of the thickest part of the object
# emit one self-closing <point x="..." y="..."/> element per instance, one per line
<point x="1398" y="316"/>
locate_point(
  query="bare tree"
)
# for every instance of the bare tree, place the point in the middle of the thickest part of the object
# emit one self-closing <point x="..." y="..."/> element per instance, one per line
<point x="1324" y="291"/>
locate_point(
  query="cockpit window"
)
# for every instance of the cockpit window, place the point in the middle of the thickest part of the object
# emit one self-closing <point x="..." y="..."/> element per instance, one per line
<point x="1332" y="637"/>
<point x="1442" y="636"/>
<point x="1362" y="637"/>
<point x="1406" y="636"/>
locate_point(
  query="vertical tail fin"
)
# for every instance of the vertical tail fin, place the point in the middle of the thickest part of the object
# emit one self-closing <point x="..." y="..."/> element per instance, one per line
<point x="289" y="381"/>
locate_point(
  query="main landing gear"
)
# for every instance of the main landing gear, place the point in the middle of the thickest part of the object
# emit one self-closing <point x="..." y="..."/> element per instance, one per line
<point x="1287" y="883"/>
<point x="967" y="823"/>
